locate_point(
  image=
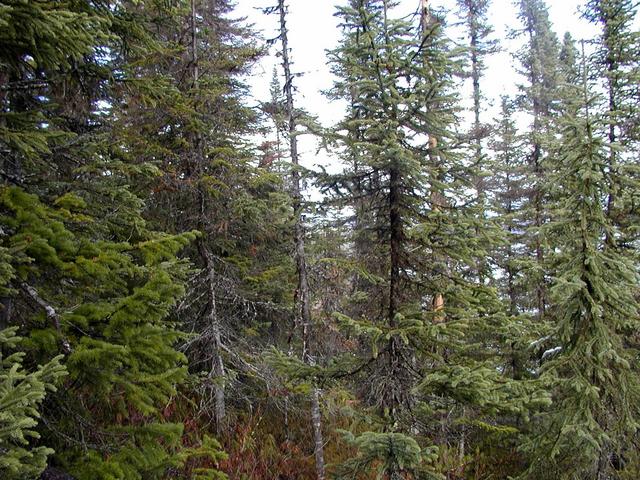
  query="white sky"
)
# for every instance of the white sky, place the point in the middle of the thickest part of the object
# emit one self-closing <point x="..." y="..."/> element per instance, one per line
<point x="313" y="29"/>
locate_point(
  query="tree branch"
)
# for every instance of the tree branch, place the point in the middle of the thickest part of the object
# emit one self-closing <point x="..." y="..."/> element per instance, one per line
<point x="52" y="314"/>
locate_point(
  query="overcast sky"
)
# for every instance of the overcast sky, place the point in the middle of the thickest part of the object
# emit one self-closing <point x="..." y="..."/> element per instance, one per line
<point x="313" y="29"/>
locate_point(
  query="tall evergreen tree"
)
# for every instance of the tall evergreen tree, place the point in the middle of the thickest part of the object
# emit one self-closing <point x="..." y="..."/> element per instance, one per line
<point x="189" y="117"/>
<point x="539" y="65"/>
<point x="595" y="416"/>
<point x="507" y="186"/>
<point x="91" y="278"/>
<point x="302" y="302"/>
<point x="617" y="64"/>
<point x="478" y="31"/>
<point x="403" y="178"/>
<point x="419" y="317"/>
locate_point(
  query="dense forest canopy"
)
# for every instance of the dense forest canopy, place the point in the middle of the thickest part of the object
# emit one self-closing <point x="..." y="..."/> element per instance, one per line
<point x="180" y="298"/>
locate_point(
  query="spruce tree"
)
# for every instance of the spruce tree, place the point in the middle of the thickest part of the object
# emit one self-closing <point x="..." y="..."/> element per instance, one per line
<point x="302" y="300"/>
<point x="594" y="419"/>
<point x="539" y="65"/>
<point x="21" y="395"/>
<point x="617" y="65"/>
<point x="478" y="31"/>
<point x="91" y="280"/>
<point x="189" y="118"/>
<point x="407" y="185"/>
<point x="508" y="194"/>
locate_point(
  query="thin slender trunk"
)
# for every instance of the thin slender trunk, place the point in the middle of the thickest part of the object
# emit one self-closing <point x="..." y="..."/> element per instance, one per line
<point x="395" y="243"/>
<point x="194" y="45"/>
<point x="463" y="439"/>
<point x="541" y="289"/>
<point x="511" y="288"/>
<point x="475" y="80"/>
<point x="217" y="370"/>
<point x="316" y="418"/>
<point x="302" y="298"/>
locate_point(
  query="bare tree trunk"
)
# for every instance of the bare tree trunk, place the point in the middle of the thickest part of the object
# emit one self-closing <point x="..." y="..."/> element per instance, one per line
<point x="396" y="238"/>
<point x="316" y="417"/>
<point x="302" y="299"/>
<point x="612" y="86"/>
<point x="217" y="371"/>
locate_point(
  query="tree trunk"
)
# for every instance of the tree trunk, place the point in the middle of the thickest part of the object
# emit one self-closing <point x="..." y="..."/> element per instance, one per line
<point x="316" y="417"/>
<point x="217" y="371"/>
<point x="302" y="303"/>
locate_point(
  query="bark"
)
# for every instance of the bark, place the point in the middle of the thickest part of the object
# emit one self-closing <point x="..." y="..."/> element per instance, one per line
<point x="52" y="473"/>
<point x="316" y="418"/>
<point x="426" y="20"/>
<point x="302" y="298"/>
<point x="395" y="242"/>
<point x="6" y="311"/>
<point x="612" y="87"/>
<point x="194" y="45"/>
<point x="52" y="314"/>
<point x="217" y="371"/>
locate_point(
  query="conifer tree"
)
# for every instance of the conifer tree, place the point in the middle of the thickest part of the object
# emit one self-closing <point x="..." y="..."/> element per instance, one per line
<point x="425" y="320"/>
<point x="617" y="64"/>
<point x="91" y="279"/>
<point x="474" y="15"/>
<point x="402" y="178"/>
<point x="189" y="118"/>
<point x="539" y="60"/>
<point x="302" y="298"/>
<point x="594" y="419"/>
<point x="478" y="30"/>
<point x="21" y="394"/>
<point x="507" y="187"/>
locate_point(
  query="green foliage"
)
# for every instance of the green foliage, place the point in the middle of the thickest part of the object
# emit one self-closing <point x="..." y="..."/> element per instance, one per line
<point x="389" y="455"/>
<point x="123" y="358"/>
<point x="21" y="396"/>
<point x="594" y="379"/>
<point x="474" y="293"/>
<point x="483" y="387"/>
<point x="208" y="451"/>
